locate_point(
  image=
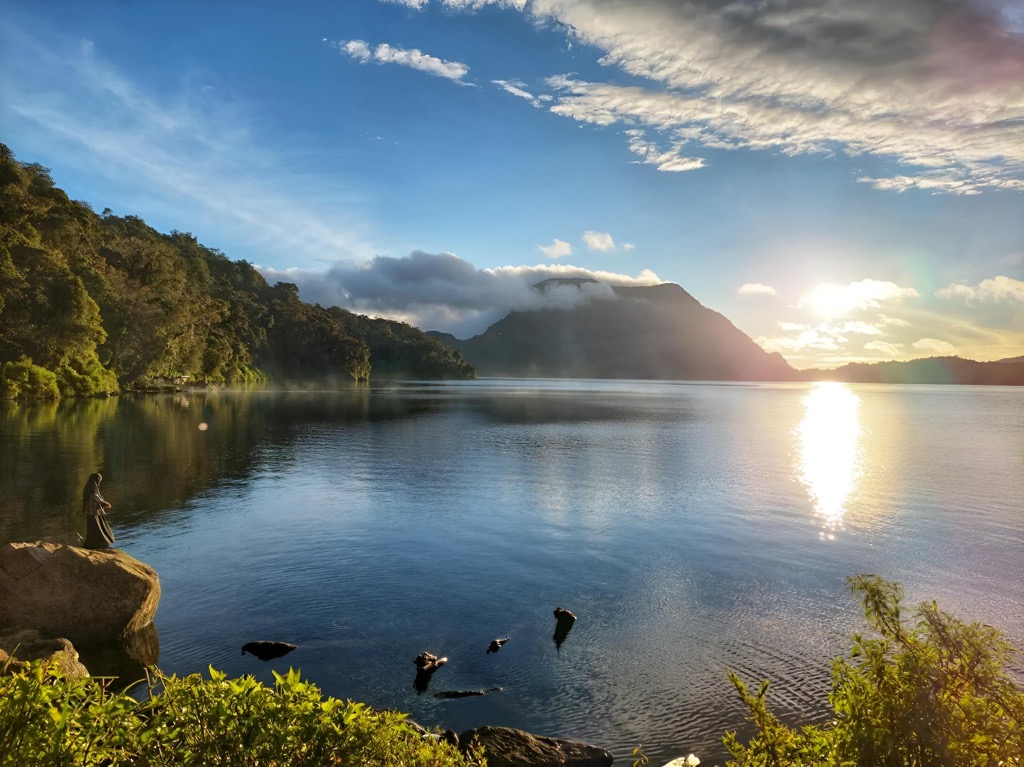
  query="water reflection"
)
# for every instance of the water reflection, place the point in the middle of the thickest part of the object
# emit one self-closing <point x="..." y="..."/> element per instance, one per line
<point x="830" y="450"/>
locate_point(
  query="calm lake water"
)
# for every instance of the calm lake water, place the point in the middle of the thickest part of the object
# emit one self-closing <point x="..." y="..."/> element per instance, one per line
<point x="692" y="528"/>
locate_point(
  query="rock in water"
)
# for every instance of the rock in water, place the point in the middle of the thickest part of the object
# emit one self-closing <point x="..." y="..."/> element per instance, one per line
<point x="684" y="761"/>
<point x="564" y="616"/>
<point x="564" y="619"/>
<point x="428" y="662"/>
<point x="19" y="646"/>
<point x="496" y="644"/>
<point x="89" y="597"/>
<point x="465" y="693"/>
<point x="505" y="747"/>
<point x="267" y="650"/>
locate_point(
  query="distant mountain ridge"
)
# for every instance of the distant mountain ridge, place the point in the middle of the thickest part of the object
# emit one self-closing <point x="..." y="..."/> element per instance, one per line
<point x="661" y="332"/>
<point x="641" y="332"/>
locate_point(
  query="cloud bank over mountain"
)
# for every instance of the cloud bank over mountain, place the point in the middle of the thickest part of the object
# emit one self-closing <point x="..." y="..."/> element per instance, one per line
<point x="440" y="291"/>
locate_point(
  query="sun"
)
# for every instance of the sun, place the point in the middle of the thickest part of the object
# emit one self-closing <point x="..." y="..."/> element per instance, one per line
<point x="830" y="300"/>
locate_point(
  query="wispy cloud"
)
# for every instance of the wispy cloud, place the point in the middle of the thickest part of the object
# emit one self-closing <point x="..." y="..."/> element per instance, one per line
<point x="413" y="58"/>
<point x="887" y="349"/>
<point x="518" y="89"/>
<point x="756" y="289"/>
<point x="557" y="249"/>
<point x="872" y="320"/>
<point x="444" y="292"/>
<point x="670" y="160"/>
<point x="598" y="241"/>
<point x="415" y="4"/>
<point x="830" y="299"/>
<point x="936" y="86"/>
<point x="188" y="157"/>
<point x="934" y="345"/>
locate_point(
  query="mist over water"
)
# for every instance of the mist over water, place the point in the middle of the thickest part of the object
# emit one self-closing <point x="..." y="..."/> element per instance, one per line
<point x="692" y="528"/>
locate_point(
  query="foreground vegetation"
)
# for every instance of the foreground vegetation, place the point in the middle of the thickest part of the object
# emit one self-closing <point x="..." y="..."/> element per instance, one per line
<point x="46" y="720"/>
<point x="930" y="691"/>
<point x="91" y="303"/>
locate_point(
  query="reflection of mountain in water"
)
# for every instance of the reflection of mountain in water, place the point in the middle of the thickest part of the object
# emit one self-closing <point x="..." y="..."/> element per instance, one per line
<point x="156" y="451"/>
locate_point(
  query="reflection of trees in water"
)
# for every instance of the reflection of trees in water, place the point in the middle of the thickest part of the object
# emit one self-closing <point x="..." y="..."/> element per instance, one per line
<point x="156" y="451"/>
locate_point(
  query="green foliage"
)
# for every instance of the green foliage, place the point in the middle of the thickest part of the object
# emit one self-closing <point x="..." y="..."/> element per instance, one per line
<point x="98" y="299"/>
<point x="48" y="720"/>
<point x="22" y="379"/>
<point x="398" y="350"/>
<point x="929" y="692"/>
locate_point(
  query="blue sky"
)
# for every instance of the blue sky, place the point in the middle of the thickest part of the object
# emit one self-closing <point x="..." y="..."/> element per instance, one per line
<point x="844" y="181"/>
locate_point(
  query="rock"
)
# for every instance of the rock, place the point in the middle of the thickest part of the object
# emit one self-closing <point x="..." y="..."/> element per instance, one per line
<point x="684" y="761"/>
<point x="465" y="693"/>
<point x="428" y="662"/>
<point x="564" y="620"/>
<point x="564" y="616"/>
<point x="506" y="747"/>
<point x="90" y="597"/>
<point x="19" y="646"/>
<point x="267" y="650"/>
<point x="496" y="644"/>
<point x="451" y="738"/>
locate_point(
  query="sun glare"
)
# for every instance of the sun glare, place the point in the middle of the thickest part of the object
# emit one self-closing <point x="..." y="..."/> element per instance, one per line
<point x="829" y="450"/>
<point x="828" y="300"/>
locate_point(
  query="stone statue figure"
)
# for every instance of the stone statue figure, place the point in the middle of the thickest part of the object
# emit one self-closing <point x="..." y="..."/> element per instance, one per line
<point x="98" y="534"/>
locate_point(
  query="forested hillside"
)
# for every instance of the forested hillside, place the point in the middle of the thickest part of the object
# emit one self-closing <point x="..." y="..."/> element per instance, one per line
<point x="92" y="303"/>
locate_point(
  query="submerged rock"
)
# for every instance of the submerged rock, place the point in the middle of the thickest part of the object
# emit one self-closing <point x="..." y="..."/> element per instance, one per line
<point x="267" y="650"/>
<point x="506" y="747"/>
<point x="465" y="693"/>
<point x="89" y="597"/>
<point x="19" y="646"/>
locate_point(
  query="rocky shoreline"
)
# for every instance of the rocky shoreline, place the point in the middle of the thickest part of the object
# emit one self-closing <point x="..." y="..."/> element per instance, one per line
<point x="56" y="597"/>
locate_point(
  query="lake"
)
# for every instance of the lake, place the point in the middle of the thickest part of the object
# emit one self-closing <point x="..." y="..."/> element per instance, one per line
<point x="692" y="528"/>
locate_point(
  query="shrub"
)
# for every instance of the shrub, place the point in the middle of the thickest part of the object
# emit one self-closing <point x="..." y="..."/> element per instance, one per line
<point x="931" y="692"/>
<point x="48" y="720"/>
<point x="24" y="380"/>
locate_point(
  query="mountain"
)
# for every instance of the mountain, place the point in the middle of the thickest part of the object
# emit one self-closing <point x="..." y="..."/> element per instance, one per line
<point x="932" y="370"/>
<point x="653" y="332"/>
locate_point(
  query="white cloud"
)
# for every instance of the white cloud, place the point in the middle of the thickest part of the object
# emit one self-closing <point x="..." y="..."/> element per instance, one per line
<point x="756" y="289"/>
<point x="628" y="246"/>
<point x="889" y="350"/>
<point x="934" y="345"/>
<point x="600" y="241"/>
<point x="996" y="290"/>
<point x="407" y="57"/>
<point x="415" y="4"/>
<point x="557" y="249"/>
<point x="517" y="89"/>
<point x="444" y="292"/>
<point x="806" y="340"/>
<point x="936" y="86"/>
<point x="833" y="300"/>
<point x="666" y="161"/>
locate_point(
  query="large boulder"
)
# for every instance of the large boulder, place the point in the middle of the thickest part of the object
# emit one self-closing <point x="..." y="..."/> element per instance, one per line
<point x="19" y="646"/>
<point x="91" y="597"/>
<point x="506" y="747"/>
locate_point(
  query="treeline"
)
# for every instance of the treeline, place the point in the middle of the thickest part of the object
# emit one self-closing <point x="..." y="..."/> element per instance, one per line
<point x="94" y="303"/>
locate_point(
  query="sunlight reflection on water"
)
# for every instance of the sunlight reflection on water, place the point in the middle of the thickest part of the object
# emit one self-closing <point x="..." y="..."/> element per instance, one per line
<point x="830" y="460"/>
